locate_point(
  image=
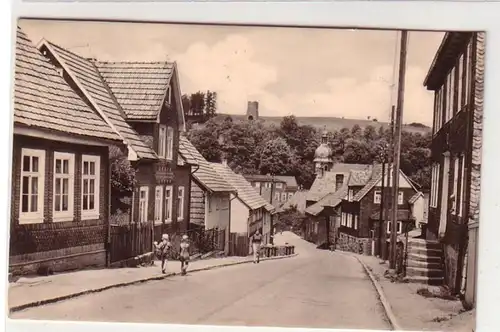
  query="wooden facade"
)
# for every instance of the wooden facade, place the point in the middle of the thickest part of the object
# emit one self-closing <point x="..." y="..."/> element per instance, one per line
<point x="456" y="77"/>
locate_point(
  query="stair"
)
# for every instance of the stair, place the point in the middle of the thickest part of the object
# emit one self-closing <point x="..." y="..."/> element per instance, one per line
<point x="425" y="263"/>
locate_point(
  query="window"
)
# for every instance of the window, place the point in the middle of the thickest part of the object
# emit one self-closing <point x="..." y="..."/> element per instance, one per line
<point x="257" y="184"/>
<point x="32" y="186"/>
<point x="143" y="204"/>
<point x="400" y="198"/>
<point x="462" y="182"/>
<point x="377" y="197"/>
<point x="168" y="96"/>
<point x="283" y="197"/>
<point x="434" y="185"/>
<point x="438" y="109"/>
<point x="90" y="186"/>
<point x="162" y="140"/>
<point x="170" y="143"/>
<point x="460" y="79"/>
<point x="343" y="219"/>
<point x="450" y="84"/>
<point x="168" y="204"/>
<point x="279" y="185"/>
<point x="290" y="195"/>
<point x="180" y="200"/>
<point x="349" y="220"/>
<point x="64" y="165"/>
<point x="455" y="186"/>
<point x="470" y="78"/>
<point x="158" y="204"/>
<point x="351" y="195"/>
<point x="399" y="227"/>
<point x="277" y="197"/>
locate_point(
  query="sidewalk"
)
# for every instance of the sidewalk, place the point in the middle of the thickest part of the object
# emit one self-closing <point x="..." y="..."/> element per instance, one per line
<point x="415" y="312"/>
<point x="34" y="291"/>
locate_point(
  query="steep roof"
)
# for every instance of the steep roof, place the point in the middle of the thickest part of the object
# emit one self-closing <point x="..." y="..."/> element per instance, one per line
<point x="291" y="181"/>
<point x="245" y="192"/>
<point x="43" y="99"/>
<point x="262" y="178"/>
<point x="139" y="87"/>
<point x="326" y="184"/>
<point x="88" y="79"/>
<point x="205" y="175"/>
<point x="414" y="198"/>
<point x="330" y="200"/>
<point x="298" y="199"/>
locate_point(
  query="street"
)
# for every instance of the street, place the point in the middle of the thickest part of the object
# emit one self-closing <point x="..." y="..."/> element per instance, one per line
<point x="316" y="289"/>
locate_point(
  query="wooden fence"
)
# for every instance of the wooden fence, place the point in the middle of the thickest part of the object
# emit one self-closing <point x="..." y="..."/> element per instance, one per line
<point x="131" y="240"/>
<point x="238" y="244"/>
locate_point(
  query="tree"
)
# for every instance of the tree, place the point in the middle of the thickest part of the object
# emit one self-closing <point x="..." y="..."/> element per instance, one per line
<point x="210" y="104"/>
<point x="122" y="178"/>
<point x="276" y="157"/>
<point x="206" y="140"/>
<point x="359" y="152"/>
<point x="356" y="131"/>
<point x="369" y="133"/>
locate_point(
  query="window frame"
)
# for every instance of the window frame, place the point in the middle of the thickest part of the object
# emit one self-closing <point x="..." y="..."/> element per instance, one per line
<point x="277" y="197"/>
<point x="162" y="141"/>
<point x="94" y="213"/>
<point x="377" y="197"/>
<point x="279" y="185"/>
<point x="350" y="195"/>
<point x="38" y="216"/>
<point x="401" y="198"/>
<point x="283" y="196"/>
<point x="169" y="146"/>
<point x="455" y="186"/>
<point x="180" y="206"/>
<point x="158" y="216"/>
<point x="170" y="205"/>
<point x="144" y="215"/>
<point x="61" y="216"/>
<point x="462" y="187"/>
<point x="399" y="227"/>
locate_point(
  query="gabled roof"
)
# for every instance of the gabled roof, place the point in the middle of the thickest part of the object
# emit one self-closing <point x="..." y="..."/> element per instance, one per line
<point x="326" y="184"/>
<point x="414" y="198"/>
<point x="205" y="175"/>
<point x="291" y="181"/>
<point x="262" y="178"/>
<point x="43" y="99"/>
<point x="139" y="87"/>
<point x="87" y="78"/>
<point x="330" y="200"/>
<point x="245" y="192"/>
<point x="298" y="199"/>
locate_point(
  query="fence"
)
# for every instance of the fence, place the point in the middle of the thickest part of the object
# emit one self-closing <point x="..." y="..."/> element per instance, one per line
<point x="238" y="244"/>
<point x="201" y="241"/>
<point x="131" y="240"/>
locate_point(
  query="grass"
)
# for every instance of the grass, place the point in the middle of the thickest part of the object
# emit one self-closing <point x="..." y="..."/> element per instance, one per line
<point x="330" y="123"/>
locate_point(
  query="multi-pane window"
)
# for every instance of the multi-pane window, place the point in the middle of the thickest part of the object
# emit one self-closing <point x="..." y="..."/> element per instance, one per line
<point x="434" y="185"/>
<point x="399" y="227"/>
<point x="349" y="220"/>
<point x="32" y="186"/>
<point x="400" y="198"/>
<point x="356" y="221"/>
<point x="470" y="77"/>
<point x="168" y="204"/>
<point x="438" y="108"/>
<point x="143" y="204"/>
<point x="64" y="164"/>
<point x="277" y="197"/>
<point x="90" y="186"/>
<point x="462" y="182"/>
<point x="290" y="195"/>
<point x="450" y="84"/>
<point x="158" y="203"/>
<point x="461" y="75"/>
<point x="455" y="186"/>
<point x="162" y="141"/>
<point x="180" y="200"/>
<point x="377" y="197"/>
<point x="283" y="197"/>
<point x="279" y="185"/>
<point x="170" y="143"/>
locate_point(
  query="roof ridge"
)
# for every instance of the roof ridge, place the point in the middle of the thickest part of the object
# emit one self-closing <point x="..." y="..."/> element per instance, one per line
<point x="135" y="62"/>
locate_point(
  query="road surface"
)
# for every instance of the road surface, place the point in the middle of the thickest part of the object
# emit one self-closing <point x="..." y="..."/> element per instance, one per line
<point x="316" y="289"/>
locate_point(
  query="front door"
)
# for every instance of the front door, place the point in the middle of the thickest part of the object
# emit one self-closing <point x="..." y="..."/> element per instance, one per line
<point x="443" y="218"/>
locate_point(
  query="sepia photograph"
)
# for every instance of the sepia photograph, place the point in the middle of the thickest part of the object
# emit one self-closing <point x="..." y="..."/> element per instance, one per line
<point x="235" y="175"/>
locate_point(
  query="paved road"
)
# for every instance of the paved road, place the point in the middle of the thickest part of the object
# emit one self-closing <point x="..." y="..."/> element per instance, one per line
<point x="316" y="289"/>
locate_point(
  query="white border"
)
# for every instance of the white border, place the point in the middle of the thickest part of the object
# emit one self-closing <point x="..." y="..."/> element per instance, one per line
<point x="439" y="15"/>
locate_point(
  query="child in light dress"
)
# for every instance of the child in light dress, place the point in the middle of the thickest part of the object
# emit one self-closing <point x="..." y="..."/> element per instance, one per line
<point x="184" y="254"/>
<point x="162" y="250"/>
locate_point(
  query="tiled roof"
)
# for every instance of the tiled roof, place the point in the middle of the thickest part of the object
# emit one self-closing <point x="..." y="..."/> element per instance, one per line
<point x="43" y="99"/>
<point x="326" y="184"/>
<point x="139" y="87"/>
<point x="89" y="79"/>
<point x="205" y="175"/>
<point x="262" y="178"/>
<point x="375" y="176"/>
<point x="246" y="193"/>
<point x="298" y="200"/>
<point x="359" y="178"/>
<point x="291" y="181"/>
<point x="330" y="200"/>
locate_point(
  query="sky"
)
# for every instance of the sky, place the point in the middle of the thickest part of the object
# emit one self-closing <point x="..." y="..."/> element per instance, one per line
<point x="299" y="71"/>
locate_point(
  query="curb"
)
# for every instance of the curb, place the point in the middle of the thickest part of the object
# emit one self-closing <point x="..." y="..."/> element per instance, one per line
<point x="130" y="283"/>
<point x="383" y="299"/>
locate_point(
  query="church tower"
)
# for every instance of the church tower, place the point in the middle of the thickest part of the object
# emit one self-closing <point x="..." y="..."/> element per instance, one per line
<point x="323" y="161"/>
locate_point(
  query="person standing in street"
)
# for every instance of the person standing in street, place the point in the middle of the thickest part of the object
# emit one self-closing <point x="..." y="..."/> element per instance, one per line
<point x="184" y="254"/>
<point x="162" y="250"/>
<point x="256" y="243"/>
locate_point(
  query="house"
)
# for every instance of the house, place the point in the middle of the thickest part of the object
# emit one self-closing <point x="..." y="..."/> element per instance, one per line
<point x="457" y="78"/>
<point x="60" y="171"/>
<point x="141" y="101"/>
<point x="210" y="193"/>
<point x="284" y="187"/>
<point x="349" y="215"/>
<point x="249" y="211"/>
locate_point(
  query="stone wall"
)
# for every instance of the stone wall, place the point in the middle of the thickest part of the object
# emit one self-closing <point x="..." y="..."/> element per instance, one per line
<point x="354" y="244"/>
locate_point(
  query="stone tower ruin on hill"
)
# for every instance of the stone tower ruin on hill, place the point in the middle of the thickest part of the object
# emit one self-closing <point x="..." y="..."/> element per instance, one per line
<point x="253" y="110"/>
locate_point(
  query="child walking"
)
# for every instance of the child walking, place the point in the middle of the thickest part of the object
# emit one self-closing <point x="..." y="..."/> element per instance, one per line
<point x="184" y="254"/>
<point x="162" y="249"/>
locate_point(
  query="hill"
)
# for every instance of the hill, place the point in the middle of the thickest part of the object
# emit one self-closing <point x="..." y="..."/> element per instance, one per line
<point x="330" y="123"/>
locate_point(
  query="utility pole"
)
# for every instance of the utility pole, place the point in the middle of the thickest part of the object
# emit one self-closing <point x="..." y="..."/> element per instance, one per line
<point x="382" y="200"/>
<point x="271" y="232"/>
<point x="387" y="207"/>
<point x="397" y="146"/>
